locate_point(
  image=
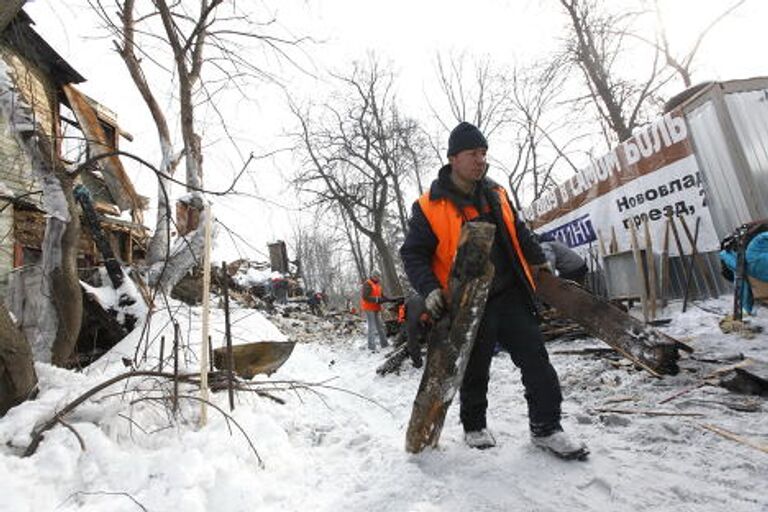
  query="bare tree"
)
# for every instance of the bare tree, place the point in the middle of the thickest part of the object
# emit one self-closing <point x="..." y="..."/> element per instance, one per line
<point x="356" y="153"/>
<point x="537" y="121"/>
<point x="474" y="91"/>
<point x="206" y="50"/>
<point x="597" y="44"/>
<point x="682" y="63"/>
<point x="325" y="255"/>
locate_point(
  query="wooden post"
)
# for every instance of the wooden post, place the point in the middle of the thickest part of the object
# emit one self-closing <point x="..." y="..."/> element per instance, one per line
<point x="162" y="352"/>
<point x="651" y="264"/>
<point x="228" y="335"/>
<point x="711" y="289"/>
<point x="613" y="245"/>
<point x="664" y="265"/>
<point x="176" y="330"/>
<point x="676" y="237"/>
<point x="601" y="244"/>
<point x="689" y="268"/>
<point x="210" y="351"/>
<point x="204" y="356"/>
<point x="639" y="270"/>
<point x="453" y="336"/>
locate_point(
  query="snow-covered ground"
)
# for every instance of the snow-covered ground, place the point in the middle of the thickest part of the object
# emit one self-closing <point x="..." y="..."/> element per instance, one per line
<point x="340" y="445"/>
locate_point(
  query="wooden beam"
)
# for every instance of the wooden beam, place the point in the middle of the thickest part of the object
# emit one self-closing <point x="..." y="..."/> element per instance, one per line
<point x="650" y="349"/>
<point x="453" y="336"/>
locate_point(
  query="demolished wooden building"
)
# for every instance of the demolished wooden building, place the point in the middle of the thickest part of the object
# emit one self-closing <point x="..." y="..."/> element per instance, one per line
<point x="79" y="129"/>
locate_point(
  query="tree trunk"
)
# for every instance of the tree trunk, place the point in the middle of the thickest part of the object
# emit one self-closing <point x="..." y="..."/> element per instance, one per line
<point x="389" y="271"/>
<point x="18" y="380"/>
<point x="61" y="315"/>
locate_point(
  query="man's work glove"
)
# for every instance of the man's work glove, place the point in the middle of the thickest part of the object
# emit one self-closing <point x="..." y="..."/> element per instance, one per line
<point x="435" y="303"/>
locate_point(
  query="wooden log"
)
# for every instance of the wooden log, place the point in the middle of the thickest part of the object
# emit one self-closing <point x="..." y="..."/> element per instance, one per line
<point x="648" y="348"/>
<point x="18" y="380"/>
<point x="451" y="340"/>
<point x="640" y="272"/>
<point x="92" y="222"/>
<point x="393" y="361"/>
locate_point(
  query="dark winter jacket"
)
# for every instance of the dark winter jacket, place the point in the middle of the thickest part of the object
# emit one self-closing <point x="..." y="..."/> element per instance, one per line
<point x="421" y="242"/>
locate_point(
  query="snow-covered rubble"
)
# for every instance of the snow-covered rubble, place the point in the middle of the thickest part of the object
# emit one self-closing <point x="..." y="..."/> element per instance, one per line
<point x="340" y="445"/>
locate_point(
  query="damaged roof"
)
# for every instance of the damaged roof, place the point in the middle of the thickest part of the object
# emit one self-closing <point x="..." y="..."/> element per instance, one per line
<point x="19" y="34"/>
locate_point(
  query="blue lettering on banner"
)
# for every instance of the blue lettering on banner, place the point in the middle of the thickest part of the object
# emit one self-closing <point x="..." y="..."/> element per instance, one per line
<point x="575" y="233"/>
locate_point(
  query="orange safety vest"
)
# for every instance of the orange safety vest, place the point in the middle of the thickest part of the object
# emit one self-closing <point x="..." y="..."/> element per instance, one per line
<point x="366" y="305"/>
<point x="445" y="220"/>
<point x="401" y="314"/>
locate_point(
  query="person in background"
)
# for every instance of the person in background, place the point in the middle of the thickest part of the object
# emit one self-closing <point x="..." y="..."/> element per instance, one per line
<point x="462" y="193"/>
<point x="566" y="261"/>
<point x="371" y="301"/>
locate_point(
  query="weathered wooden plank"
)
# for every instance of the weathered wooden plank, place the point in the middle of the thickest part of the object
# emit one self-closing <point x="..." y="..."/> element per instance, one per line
<point x="651" y="349"/>
<point x="451" y="340"/>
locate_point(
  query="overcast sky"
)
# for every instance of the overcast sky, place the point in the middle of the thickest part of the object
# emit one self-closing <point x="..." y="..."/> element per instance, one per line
<point x="408" y="33"/>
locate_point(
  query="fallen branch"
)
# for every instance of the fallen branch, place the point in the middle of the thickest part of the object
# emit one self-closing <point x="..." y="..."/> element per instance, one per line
<point x="75" y="432"/>
<point x="37" y="436"/>
<point x="646" y="412"/>
<point x="104" y="493"/>
<point x="733" y="437"/>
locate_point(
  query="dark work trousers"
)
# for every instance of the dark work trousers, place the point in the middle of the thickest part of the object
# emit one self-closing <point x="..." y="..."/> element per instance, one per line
<point x="416" y="327"/>
<point x="509" y="321"/>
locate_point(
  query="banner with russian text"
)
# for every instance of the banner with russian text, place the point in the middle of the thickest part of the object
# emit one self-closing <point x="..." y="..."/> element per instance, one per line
<point x="649" y="177"/>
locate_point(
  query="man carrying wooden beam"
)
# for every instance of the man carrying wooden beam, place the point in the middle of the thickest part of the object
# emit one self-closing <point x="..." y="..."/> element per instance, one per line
<point x="462" y="193"/>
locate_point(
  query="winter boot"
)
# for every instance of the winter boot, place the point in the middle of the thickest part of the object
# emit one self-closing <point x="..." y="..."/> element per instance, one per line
<point x="562" y="446"/>
<point x="480" y="439"/>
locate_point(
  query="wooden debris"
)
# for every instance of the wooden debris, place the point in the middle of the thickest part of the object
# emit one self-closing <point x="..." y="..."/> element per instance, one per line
<point x="734" y="437"/>
<point x="453" y="336"/>
<point x="650" y="349"/>
<point x="555" y="326"/>
<point x="254" y="358"/>
<point x="709" y="379"/>
<point x="646" y="412"/>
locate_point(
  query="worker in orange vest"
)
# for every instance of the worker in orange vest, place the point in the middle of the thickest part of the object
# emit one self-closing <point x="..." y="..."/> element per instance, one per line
<point x="462" y="193"/>
<point x="371" y="301"/>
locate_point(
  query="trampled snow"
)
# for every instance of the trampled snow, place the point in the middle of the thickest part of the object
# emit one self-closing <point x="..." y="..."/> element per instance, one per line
<point x="338" y="443"/>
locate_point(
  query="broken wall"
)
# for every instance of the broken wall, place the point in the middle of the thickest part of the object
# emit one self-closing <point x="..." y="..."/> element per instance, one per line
<point x="15" y="168"/>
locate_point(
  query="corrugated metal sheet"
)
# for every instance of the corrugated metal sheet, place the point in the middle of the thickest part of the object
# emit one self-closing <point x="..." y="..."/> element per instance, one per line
<point x="749" y="111"/>
<point x="727" y="201"/>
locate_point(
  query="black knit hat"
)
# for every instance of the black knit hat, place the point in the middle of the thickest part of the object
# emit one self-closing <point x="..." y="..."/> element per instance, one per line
<point x="465" y="136"/>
